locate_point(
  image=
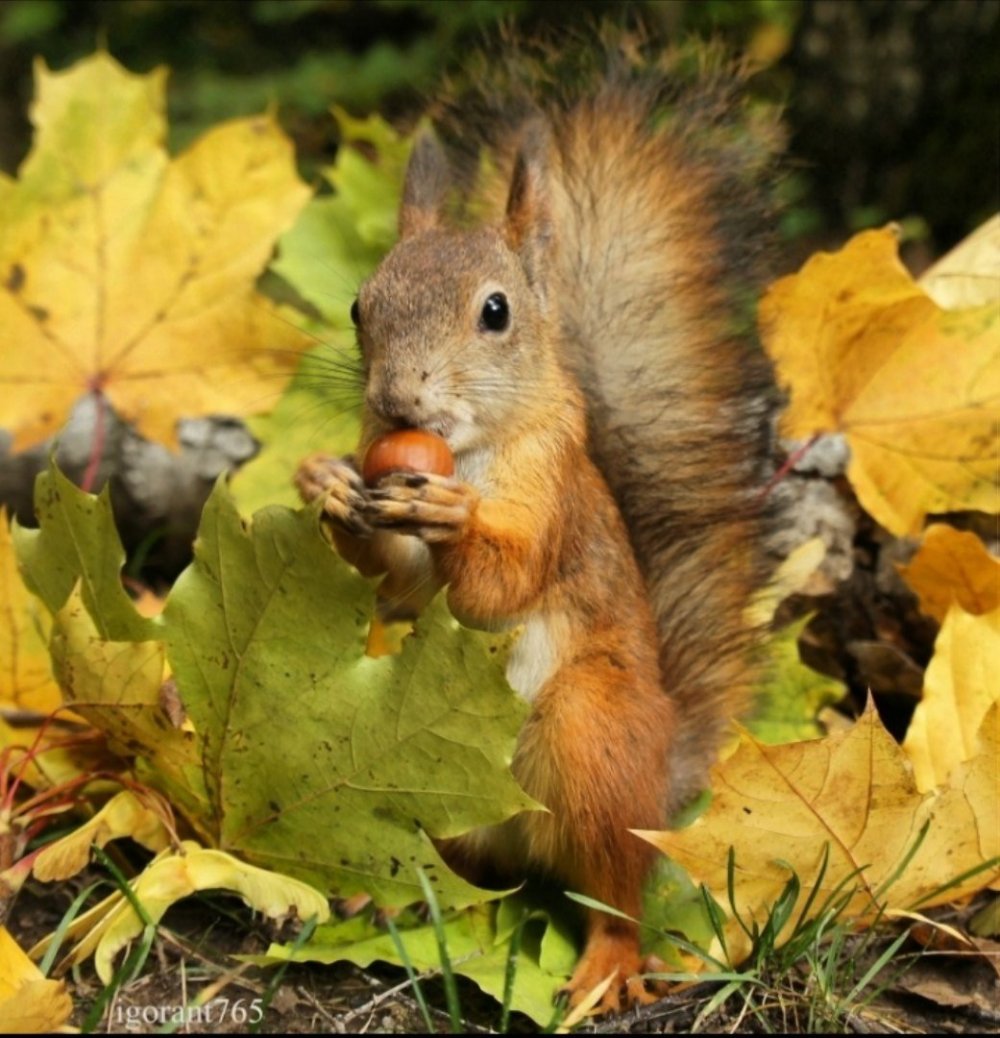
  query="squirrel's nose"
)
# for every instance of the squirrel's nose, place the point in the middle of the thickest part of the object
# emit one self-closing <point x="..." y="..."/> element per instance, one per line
<point x="398" y="410"/>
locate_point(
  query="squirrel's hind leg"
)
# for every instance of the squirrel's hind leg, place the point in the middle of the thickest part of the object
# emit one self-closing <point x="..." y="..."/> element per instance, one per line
<point x="594" y="750"/>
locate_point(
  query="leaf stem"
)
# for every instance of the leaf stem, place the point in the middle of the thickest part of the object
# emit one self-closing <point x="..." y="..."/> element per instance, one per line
<point x="97" y="444"/>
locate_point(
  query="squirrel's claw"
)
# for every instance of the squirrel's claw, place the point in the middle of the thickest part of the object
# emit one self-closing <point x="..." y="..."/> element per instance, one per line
<point x="628" y="988"/>
<point x="338" y="482"/>
<point x="437" y="509"/>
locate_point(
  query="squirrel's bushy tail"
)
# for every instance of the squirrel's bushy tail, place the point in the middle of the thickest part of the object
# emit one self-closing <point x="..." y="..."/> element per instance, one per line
<point x="660" y="193"/>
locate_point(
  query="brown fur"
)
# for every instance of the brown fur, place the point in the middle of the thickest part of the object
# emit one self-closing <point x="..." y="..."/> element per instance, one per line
<point x="608" y="444"/>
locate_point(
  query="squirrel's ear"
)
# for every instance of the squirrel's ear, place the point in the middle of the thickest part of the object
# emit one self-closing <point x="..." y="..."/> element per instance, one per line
<point x="528" y="223"/>
<point x="424" y="188"/>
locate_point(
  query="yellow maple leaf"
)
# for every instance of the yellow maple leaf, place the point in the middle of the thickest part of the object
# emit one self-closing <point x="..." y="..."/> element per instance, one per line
<point x="788" y="579"/>
<point x="853" y="793"/>
<point x="915" y="388"/>
<point x="26" y="680"/>
<point x="122" y="689"/>
<point x="29" y="1003"/>
<point x="953" y="566"/>
<point x="123" y="815"/>
<point x="969" y="275"/>
<point x="127" y="273"/>
<point x="172" y="875"/>
<point x="961" y="683"/>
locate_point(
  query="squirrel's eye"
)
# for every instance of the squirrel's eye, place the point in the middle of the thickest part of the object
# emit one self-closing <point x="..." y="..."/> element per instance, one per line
<point x="355" y="314"/>
<point x="496" y="313"/>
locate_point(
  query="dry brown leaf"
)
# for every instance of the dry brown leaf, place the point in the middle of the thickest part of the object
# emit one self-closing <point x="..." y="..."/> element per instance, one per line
<point x="953" y="566"/>
<point x="125" y="272"/>
<point x="952" y="990"/>
<point x="915" y="388"/>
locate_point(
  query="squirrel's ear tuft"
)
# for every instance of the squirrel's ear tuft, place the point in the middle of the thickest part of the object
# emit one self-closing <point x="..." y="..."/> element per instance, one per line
<point x="528" y="223"/>
<point x="424" y="188"/>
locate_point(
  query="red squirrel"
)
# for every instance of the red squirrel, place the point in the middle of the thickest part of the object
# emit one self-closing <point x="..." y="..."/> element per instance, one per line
<point x="580" y="349"/>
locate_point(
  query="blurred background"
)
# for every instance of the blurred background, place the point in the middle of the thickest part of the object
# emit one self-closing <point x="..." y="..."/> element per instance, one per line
<point x="891" y="107"/>
<point x="891" y="104"/>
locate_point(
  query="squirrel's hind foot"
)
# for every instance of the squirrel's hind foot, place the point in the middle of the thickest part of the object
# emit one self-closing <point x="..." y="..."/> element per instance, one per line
<point x="610" y="952"/>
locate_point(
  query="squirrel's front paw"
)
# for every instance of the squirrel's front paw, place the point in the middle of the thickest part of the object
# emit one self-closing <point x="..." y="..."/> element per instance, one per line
<point x="339" y="483"/>
<point x="437" y="509"/>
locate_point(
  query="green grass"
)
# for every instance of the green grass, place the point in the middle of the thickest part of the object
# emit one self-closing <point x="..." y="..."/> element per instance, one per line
<point x="813" y="980"/>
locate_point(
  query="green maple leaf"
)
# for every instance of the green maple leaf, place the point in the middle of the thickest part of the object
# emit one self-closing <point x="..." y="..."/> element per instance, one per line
<point x="322" y="761"/>
<point x="479" y="946"/>
<point x="339" y="238"/>
<point x="309" y="757"/>
<point x="791" y="695"/>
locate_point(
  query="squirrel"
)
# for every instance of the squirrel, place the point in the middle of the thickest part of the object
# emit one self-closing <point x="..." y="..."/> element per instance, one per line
<point x="576" y="336"/>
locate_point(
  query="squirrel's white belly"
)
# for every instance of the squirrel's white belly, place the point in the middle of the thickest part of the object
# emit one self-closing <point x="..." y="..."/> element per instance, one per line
<point x="535" y="655"/>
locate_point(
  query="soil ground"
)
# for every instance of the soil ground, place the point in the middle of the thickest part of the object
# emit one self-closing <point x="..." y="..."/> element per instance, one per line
<point x="926" y="991"/>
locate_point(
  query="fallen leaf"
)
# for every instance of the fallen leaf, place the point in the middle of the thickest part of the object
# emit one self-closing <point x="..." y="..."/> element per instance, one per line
<point x="77" y="544"/>
<point x="133" y="274"/>
<point x="952" y="990"/>
<point x="953" y="566"/>
<point x="371" y="755"/>
<point x="961" y="683"/>
<point x="790" y="696"/>
<point x="26" y="680"/>
<point x="969" y="275"/>
<point x="989" y="951"/>
<point x="779" y="807"/>
<point x="370" y="758"/>
<point x="885" y="668"/>
<point x="118" y="687"/>
<point x="986" y="922"/>
<point x="123" y="815"/>
<point x="29" y="1003"/>
<point x="107" y="927"/>
<point x="851" y="334"/>
<point x="946" y="940"/>
<point x="478" y="943"/>
<point x="790" y="577"/>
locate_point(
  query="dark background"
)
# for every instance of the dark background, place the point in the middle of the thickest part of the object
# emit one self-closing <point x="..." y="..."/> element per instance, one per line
<point x="891" y="104"/>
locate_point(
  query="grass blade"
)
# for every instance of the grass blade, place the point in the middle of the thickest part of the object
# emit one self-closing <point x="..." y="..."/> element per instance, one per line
<point x="598" y="906"/>
<point x="447" y="973"/>
<point x="510" y="974"/>
<point x="57" y="938"/>
<point x="985" y="866"/>
<point x="731" y="893"/>
<point x="715" y="919"/>
<point x="123" y="885"/>
<point x="411" y="973"/>
<point x="904" y="862"/>
<point x="130" y="968"/>
<point x="876" y="966"/>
